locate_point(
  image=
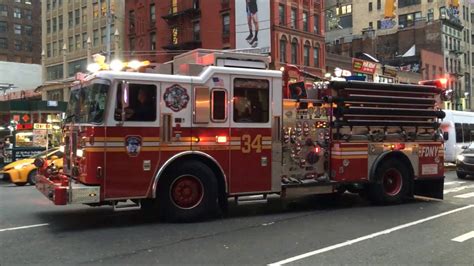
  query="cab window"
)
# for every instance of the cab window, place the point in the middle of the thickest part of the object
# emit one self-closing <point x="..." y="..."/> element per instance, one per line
<point x="141" y="105"/>
<point x="251" y="101"/>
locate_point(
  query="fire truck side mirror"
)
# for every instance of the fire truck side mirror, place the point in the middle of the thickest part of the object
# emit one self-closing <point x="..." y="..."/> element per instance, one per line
<point x="202" y="105"/>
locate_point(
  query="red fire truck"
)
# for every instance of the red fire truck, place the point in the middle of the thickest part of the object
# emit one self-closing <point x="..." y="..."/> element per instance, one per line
<point x="214" y="125"/>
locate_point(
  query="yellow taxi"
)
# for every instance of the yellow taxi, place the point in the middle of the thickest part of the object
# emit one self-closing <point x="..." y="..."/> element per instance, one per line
<point x="24" y="171"/>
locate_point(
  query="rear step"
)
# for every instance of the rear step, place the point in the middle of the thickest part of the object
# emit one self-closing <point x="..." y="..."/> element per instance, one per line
<point x="126" y="206"/>
<point x="242" y="200"/>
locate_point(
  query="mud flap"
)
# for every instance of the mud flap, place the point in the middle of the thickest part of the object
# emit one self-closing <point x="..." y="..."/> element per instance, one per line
<point x="431" y="188"/>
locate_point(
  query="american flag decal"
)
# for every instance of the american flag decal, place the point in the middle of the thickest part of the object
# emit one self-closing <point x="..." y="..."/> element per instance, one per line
<point x="218" y="82"/>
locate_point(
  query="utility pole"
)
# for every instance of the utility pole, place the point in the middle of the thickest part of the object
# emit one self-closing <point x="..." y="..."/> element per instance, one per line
<point x="109" y="22"/>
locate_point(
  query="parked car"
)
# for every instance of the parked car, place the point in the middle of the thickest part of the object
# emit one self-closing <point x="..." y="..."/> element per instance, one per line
<point x="465" y="162"/>
<point x="24" y="171"/>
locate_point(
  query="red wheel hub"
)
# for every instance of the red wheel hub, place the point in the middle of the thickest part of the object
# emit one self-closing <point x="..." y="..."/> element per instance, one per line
<point x="186" y="192"/>
<point x="392" y="182"/>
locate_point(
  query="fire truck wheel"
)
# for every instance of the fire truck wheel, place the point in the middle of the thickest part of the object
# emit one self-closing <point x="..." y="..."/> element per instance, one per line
<point x="391" y="183"/>
<point x="461" y="175"/>
<point x="188" y="193"/>
<point x="32" y="177"/>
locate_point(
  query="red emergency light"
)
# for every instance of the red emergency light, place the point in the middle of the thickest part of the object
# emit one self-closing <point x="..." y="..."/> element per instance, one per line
<point x="439" y="83"/>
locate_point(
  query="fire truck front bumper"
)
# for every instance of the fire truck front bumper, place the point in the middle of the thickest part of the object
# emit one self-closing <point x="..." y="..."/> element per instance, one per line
<point x="62" y="194"/>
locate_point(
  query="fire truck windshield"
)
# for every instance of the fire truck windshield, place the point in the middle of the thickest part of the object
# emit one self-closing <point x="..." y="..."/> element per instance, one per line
<point x="87" y="104"/>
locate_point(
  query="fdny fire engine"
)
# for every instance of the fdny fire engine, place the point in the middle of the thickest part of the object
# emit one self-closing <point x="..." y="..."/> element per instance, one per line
<point x="213" y="125"/>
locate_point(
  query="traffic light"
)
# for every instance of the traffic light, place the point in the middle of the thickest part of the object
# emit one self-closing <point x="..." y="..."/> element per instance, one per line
<point x="390" y="7"/>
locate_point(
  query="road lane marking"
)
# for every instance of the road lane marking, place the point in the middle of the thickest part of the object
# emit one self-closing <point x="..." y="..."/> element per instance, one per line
<point x="464" y="237"/>
<point x="465" y="196"/>
<point x="363" y="238"/>
<point x="457" y="189"/>
<point x="22" y="227"/>
<point x="454" y="182"/>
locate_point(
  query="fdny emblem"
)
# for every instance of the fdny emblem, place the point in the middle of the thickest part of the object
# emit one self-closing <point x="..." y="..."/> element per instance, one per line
<point x="133" y="145"/>
<point x="176" y="98"/>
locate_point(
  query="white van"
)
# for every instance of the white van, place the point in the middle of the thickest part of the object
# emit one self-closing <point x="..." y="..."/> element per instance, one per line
<point x="458" y="132"/>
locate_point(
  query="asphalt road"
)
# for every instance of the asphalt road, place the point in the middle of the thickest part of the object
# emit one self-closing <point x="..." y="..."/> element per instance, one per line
<point x="311" y="231"/>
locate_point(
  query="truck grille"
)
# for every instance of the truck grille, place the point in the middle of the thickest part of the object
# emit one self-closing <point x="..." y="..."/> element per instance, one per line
<point x="469" y="160"/>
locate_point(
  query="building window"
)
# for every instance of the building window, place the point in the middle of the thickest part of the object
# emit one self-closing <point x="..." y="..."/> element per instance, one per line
<point x="152" y="14"/>
<point x="305" y="21"/>
<point x="293" y="18"/>
<point x="55" y="48"/>
<point x="95" y="41"/>
<point x="84" y="15"/>
<point x="84" y="40"/>
<point x="132" y="44"/>
<point x="379" y="4"/>
<point x="54" y="72"/>
<point x="17" y="29"/>
<point x="404" y="3"/>
<point x="77" y="66"/>
<point x="70" y="20"/>
<point x="283" y="43"/>
<point x="316" y="57"/>
<point x="18" y="45"/>
<point x="294" y="52"/>
<point x="17" y="13"/>
<point x="3" y="11"/>
<point x="196" y="31"/>
<point x="95" y="10"/>
<point x="343" y="10"/>
<point x="29" y="47"/>
<point x="55" y="24"/>
<point x="131" y="21"/>
<point x="174" y="35"/>
<point x="316" y="26"/>
<point x="77" y="17"/>
<point x="103" y="35"/>
<point x="282" y="14"/>
<point x="60" y="45"/>
<point x="153" y="41"/>
<point x="306" y="54"/>
<point x="225" y="25"/>
<point x="70" y="44"/>
<point x="60" y="23"/>
<point x="28" y="30"/>
<point x="370" y="6"/>
<point x="3" y="43"/>
<point x="78" y="41"/>
<point x="174" y="6"/>
<point x="27" y="14"/>
<point x="48" y="50"/>
<point x="3" y="26"/>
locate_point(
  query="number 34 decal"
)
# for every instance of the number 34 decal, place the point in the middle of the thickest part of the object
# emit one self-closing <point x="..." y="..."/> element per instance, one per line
<point x="249" y="144"/>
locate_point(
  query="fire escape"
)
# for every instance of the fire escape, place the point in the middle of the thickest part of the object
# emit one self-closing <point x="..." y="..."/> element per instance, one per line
<point x="185" y="34"/>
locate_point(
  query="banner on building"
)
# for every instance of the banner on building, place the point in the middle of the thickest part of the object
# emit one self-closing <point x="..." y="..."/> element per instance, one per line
<point x="363" y="66"/>
<point x="252" y="25"/>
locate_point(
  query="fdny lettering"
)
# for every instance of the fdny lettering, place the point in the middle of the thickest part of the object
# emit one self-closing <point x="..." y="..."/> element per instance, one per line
<point x="431" y="151"/>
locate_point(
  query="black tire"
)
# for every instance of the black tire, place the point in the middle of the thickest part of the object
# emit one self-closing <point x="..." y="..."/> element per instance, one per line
<point x="187" y="193"/>
<point x="461" y="175"/>
<point x="32" y="177"/>
<point x="391" y="183"/>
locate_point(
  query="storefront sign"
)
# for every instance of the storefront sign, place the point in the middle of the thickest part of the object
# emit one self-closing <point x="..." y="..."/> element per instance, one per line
<point x="24" y="126"/>
<point x="389" y="72"/>
<point x="42" y="126"/>
<point x="363" y="66"/>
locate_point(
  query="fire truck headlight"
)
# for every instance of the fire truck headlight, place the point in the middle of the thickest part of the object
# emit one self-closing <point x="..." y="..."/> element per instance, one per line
<point x="94" y="67"/>
<point x="116" y="65"/>
<point x="79" y="153"/>
<point x="135" y="64"/>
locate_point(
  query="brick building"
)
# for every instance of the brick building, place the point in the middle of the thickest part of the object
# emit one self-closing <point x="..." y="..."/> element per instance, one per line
<point x="290" y="31"/>
<point x="20" y="31"/>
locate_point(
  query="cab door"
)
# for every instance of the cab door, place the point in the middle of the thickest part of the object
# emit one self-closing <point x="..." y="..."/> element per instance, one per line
<point x="132" y="142"/>
<point x="250" y="155"/>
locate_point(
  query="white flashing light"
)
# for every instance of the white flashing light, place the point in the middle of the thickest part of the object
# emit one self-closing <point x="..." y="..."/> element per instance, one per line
<point x="135" y="64"/>
<point x="94" y="67"/>
<point x="116" y="65"/>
